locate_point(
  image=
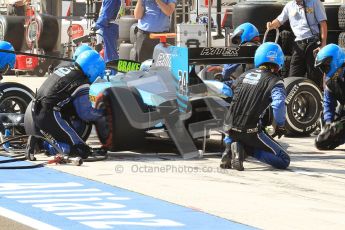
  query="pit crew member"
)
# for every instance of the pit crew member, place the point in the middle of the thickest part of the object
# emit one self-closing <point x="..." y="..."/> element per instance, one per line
<point x="254" y="91"/>
<point x="67" y="90"/>
<point x="331" y="60"/>
<point x="109" y="29"/>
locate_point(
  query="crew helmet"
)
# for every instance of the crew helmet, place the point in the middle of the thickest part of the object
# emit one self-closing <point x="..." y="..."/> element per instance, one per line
<point x="245" y="32"/>
<point x="80" y="49"/>
<point x="329" y="59"/>
<point x="269" y="52"/>
<point x="92" y="64"/>
<point x="7" y="60"/>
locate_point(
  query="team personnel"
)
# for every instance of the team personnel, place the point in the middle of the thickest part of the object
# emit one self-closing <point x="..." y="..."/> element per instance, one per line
<point x="305" y="17"/>
<point x="154" y="17"/>
<point x="331" y="60"/>
<point x="7" y="60"/>
<point x="65" y="93"/>
<point x="245" y="34"/>
<point x="254" y="91"/>
<point x="109" y="29"/>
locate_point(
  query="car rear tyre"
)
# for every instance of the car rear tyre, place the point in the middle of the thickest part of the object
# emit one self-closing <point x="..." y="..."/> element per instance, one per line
<point x="117" y="133"/>
<point x="12" y="30"/>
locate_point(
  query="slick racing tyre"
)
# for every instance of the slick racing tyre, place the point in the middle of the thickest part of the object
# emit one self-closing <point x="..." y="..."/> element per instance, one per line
<point x="15" y="98"/>
<point x="125" y="50"/>
<point x="45" y="29"/>
<point x="303" y="106"/>
<point x="12" y="30"/>
<point x="125" y="23"/>
<point x="116" y="133"/>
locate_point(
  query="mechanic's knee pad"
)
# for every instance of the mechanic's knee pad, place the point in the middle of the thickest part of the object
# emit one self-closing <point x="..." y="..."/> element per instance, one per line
<point x="81" y="150"/>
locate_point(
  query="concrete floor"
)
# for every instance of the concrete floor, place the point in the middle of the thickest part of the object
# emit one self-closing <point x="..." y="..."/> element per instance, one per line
<point x="310" y="195"/>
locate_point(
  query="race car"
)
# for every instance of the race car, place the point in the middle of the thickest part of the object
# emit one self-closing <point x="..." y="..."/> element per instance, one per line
<point x="169" y="97"/>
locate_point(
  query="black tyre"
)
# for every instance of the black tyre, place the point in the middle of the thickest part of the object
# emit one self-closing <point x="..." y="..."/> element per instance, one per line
<point x="29" y="124"/>
<point x="12" y="30"/>
<point x="45" y="29"/>
<point x="286" y="67"/>
<point x="303" y="106"/>
<point x="118" y="134"/>
<point x="125" y="23"/>
<point x="341" y="40"/>
<point x="333" y="37"/>
<point x="332" y="17"/>
<point x="83" y="130"/>
<point x="133" y="33"/>
<point x="256" y="13"/>
<point x="287" y="41"/>
<point x="341" y="17"/>
<point x="125" y="50"/>
<point x="15" y="98"/>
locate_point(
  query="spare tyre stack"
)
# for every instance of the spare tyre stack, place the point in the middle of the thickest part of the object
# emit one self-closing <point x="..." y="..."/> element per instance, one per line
<point x="127" y="36"/>
<point x="12" y="30"/>
<point x="341" y="21"/>
<point x="333" y="28"/>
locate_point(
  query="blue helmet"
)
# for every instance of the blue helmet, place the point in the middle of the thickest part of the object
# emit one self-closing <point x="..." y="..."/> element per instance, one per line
<point x="7" y="60"/>
<point x="269" y="52"/>
<point x="80" y="49"/>
<point x="92" y="64"/>
<point x="329" y="59"/>
<point x="245" y="32"/>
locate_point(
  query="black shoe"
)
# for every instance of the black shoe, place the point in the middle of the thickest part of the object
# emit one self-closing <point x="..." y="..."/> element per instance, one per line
<point x="225" y="162"/>
<point x="238" y="154"/>
<point x="31" y="148"/>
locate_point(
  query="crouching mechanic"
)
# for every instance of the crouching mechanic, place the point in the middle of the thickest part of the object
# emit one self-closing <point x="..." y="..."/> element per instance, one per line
<point x="245" y="34"/>
<point x="331" y="60"/>
<point x="67" y="90"/>
<point x="254" y="91"/>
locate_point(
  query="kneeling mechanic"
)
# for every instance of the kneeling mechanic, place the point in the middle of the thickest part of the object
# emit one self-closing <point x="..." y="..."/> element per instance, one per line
<point x="64" y="94"/>
<point x="254" y="91"/>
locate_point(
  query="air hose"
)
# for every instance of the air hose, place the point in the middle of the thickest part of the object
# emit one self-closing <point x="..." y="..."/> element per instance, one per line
<point x="98" y="154"/>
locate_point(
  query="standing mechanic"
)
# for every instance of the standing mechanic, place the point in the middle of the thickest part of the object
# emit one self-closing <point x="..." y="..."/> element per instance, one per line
<point x="109" y="29"/>
<point x="154" y="17"/>
<point x="254" y="91"/>
<point x="63" y="94"/>
<point x="331" y="60"/>
<point x="304" y="16"/>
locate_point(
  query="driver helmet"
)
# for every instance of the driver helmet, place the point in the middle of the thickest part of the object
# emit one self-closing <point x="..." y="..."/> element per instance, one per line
<point x="269" y="52"/>
<point x="329" y="59"/>
<point x="7" y="60"/>
<point x="92" y="64"/>
<point x="245" y="32"/>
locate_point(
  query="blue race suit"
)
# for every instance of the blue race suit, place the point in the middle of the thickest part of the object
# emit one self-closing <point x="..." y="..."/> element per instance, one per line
<point x="109" y="30"/>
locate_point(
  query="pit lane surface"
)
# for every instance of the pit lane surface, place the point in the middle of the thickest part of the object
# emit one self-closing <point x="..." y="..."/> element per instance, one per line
<point x="310" y="195"/>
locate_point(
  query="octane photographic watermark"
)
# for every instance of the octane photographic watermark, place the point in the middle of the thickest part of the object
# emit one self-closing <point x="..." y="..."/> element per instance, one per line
<point x="168" y="168"/>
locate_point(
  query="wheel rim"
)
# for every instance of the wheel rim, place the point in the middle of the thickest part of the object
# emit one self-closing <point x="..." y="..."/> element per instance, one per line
<point x="16" y="105"/>
<point x="304" y="107"/>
